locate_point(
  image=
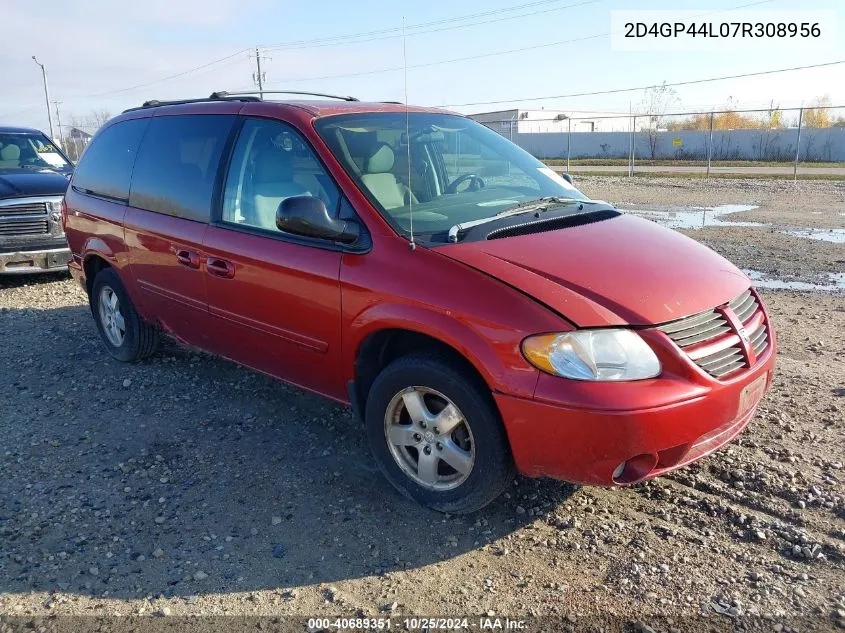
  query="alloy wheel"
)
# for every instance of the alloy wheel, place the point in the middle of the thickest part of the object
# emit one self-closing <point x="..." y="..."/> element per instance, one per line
<point x="429" y="438"/>
<point x="111" y="317"/>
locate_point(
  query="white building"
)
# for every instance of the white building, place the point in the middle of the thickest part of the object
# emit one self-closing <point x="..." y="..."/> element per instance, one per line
<point x="519" y="121"/>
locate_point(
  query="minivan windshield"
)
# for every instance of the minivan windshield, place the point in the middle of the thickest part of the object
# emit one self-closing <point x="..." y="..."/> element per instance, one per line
<point x="30" y="151"/>
<point x="447" y="168"/>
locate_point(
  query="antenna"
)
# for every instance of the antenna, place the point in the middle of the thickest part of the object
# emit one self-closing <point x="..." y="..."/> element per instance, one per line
<point x="412" y="245"/>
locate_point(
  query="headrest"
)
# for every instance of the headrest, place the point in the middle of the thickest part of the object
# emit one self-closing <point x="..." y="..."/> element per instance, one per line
<point x="10" y="152"/>
<point x="273" y="165"/>
<point x="381" y="160"/>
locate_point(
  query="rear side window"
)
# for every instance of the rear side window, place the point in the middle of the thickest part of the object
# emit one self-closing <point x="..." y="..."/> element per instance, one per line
<point x="105" y="168"/>
<point x="177" y="165"/>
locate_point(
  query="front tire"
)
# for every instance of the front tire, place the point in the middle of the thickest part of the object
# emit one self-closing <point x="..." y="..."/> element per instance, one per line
<point x="436" y="435"/>
<point x="125" y="336"/>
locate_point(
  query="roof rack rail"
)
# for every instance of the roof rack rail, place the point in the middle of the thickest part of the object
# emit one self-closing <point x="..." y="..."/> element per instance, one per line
<point x="222" y="94"/>
<point x="154" y="103"/>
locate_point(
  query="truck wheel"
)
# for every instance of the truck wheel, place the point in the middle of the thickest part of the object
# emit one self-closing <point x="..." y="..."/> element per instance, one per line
<point x="126" y="337"/>
<point x="437" y="435"/>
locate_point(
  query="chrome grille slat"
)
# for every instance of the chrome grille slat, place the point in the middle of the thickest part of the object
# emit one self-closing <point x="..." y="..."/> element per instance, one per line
<point x="726" y="364"/>
<point x="27" y="208"/>
<point x="728" y="370"/>
<point x="745" y="310"/>
<point x="720" y="368"/>
<point x="704" y="336"/>
<point x="683" y="324"/>
<point x="24" y="227"/>
<point x="760" y="340"/>
<point x="705" y="327"/>
<point x="714" y="359"/>
<point x="709" y="326"/>
<point x="733" y="304"/>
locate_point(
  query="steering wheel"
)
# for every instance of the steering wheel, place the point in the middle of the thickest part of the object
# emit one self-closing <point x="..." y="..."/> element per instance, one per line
<point x="475" y="183"/>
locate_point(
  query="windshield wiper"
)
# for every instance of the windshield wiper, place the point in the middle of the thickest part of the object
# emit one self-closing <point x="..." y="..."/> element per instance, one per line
<point x="540" y="204"/>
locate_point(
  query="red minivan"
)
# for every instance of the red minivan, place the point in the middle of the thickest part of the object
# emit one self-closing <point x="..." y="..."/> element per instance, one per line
<point x="479" y="313"/>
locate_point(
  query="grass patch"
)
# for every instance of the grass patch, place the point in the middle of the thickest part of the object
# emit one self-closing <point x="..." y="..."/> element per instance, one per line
<point x="617" y="162"/>
<point x="701" y="176"/>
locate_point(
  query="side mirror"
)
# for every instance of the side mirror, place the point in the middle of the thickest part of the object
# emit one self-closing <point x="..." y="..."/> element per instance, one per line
<point x="308" y="216"/>
<point x="567" y="178"/>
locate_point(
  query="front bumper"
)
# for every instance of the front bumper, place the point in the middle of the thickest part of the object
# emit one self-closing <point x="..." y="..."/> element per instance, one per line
<point x="24" y="261"/>
<point x="590" y="433"/>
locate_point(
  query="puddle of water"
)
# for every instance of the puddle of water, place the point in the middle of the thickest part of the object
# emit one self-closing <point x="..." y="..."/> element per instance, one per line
<point x="696" y="217"/>
<point x="837" y="236"/>
<point x="762" y="280"/>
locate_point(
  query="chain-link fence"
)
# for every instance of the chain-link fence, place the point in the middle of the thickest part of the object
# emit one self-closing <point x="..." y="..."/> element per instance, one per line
<point x="772" y="140"/>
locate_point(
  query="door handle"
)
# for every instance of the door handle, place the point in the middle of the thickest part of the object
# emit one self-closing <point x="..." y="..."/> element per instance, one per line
<point x="220" y="268"/>
<point x="188" y="258"/>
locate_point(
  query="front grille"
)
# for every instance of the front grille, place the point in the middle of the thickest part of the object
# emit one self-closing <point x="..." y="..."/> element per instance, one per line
<point x="27" y="208"/>
<point x="23" y="227"/>
<point x="694" y="333"/>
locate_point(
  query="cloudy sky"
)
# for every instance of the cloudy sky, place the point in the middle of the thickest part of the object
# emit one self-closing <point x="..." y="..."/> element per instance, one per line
<point x="103" y="55"/>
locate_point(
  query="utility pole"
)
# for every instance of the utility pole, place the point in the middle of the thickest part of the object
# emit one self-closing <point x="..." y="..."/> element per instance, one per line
<point x="59" y="123"/>
<point x="798" y="143"/>
<point x="259" y="77"/>
<point x="710" y="146"/>
<point x="46" y="94"/>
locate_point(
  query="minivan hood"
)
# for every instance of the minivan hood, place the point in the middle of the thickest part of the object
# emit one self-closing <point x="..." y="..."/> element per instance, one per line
<point x="624" y="270"/>
<point x="16" y="183"/>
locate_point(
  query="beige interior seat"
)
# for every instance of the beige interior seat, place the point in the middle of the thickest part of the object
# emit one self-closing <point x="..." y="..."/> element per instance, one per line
<point x="379" y="179"/>
<point x="10" y="156"/>
<point x="312" y="185"/>
<point x="272" y="182"/>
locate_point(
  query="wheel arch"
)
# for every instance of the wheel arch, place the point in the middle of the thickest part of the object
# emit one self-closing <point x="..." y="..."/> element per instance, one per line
<point x="97" y="255"/>
<point x="379" y="348"/>
<point x="385" y="333"/>
<point x="92" y="264"/>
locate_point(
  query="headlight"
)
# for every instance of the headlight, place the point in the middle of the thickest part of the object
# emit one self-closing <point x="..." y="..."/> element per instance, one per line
<point x="592" y="355"/>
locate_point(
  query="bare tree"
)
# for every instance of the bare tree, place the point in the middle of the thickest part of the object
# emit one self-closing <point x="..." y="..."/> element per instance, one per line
<point x="75" y="143"/>
<point x="99" y="117"/>
<point x="655" y="103"/>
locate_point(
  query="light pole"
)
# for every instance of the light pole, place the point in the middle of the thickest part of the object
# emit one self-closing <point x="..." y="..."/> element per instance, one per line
<point x="46" y="94"/>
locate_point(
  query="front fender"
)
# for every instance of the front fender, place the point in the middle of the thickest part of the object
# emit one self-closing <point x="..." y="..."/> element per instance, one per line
<point x="494" y="352"/>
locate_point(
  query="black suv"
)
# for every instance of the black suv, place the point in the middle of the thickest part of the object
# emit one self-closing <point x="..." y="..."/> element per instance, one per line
<point x="34" y="175"/>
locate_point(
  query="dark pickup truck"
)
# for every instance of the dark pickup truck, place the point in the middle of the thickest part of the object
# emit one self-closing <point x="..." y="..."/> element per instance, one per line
<point x="34" y="174"/>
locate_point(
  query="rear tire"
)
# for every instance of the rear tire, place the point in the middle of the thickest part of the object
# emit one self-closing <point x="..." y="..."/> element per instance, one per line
<point x="125" y="335"/>
<point x="459" y="466"/>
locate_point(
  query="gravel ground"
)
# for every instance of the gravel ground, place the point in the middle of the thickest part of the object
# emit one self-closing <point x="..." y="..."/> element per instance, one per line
<point x="185" y="485"/>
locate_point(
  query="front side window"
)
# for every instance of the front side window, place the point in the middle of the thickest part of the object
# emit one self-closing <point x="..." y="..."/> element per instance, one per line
<point x="177" y="164"/>
<point x="105" y="168"/>
<point x="447" y="168"/>
<point x="270" y="163"/>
